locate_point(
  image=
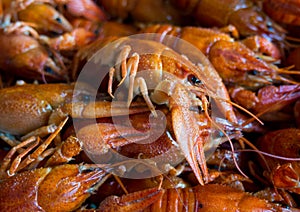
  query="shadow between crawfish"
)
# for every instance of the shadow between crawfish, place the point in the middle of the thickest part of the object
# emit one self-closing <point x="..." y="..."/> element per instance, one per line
<point x="99" y="147"/>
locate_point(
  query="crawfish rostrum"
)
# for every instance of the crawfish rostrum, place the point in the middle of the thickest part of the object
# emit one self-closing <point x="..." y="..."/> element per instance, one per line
<point x="208" y="120"/>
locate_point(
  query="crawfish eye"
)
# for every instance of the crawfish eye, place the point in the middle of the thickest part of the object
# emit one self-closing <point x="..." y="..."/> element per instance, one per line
<point x="253" y="72"/>
<point x="58" y="19"/>
<point x="49" y="70"/>
<point x="194" y="80"/>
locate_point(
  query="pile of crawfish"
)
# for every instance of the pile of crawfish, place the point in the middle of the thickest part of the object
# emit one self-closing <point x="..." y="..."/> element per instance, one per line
<point x="196" y="108"/>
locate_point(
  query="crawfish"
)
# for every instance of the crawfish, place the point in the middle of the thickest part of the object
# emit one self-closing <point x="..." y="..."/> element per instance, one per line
<point x="143" y="11"/>
<point x="283" y="11"/>
<point x="43" y="16"/>
<point x="108" y="28"/>
<point x="86" y="9"/>
<point x="210" y="197"/>
<point x="282" y="166"/>
<point x="267" y="100"/>
<point x="286" y="13"/>
<point x="22" y="55"/>
<point x="69" y="41"/>
<point x="25" y="108"/>
<point x="284" y="143"/>
<point x="238" y="64"/>
<point x="61" y="154"/>
<point x="244" y="15"/>
<point x="50" y="189"/>
<point x="85" y="32"/>
<point x="133" y="137"/>
<point x="204" y="38"/>
<point x="174" y="91"/>
<point x="233" y="60"/>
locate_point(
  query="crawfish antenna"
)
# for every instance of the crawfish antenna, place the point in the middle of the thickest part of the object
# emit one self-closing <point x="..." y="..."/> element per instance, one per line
<point x="244" y="140"/>
<point x="229" y="140"/>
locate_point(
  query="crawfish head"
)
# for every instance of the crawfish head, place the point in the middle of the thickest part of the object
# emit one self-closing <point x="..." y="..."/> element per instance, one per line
<point x="25" y="57"/>
<point x="45" y="17"/>
<point x="49" y="188"/>
<point x="244" y="15"/>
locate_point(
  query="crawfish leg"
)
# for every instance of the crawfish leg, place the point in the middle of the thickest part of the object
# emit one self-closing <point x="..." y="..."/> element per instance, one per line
<point x="32" y="157"/>
<point x="6" y="161"/>
<point x="139" y="82"/>
<point x="122" y="57"/>
<point x="40" y="132"/>
<point x="10" y="141"/>
<point x="41" y="157"/>
<point x="144" y="90"/>
<point x="23" y="28"/>
<point x="110" y="81"/>
<point x="132" y="65"/>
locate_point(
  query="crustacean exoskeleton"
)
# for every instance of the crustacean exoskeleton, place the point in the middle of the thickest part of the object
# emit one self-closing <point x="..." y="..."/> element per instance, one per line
<point x="244" y="15"/>
<point x="281" y="165"/>
<point x="199" y="198"/>
<point x="178" y="83"/>
<point x="146" y="11"/>
<point x="51" y="188"/>
<point x="35" y="104"/>
<point x="248" y="62"/>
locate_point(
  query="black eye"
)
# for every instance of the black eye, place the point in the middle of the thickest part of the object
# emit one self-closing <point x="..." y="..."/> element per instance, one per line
<point x="194" y="80"/>
<point x="49" y="70"/>
<point x="253" y="72"/>
<point x="58" y="19"/>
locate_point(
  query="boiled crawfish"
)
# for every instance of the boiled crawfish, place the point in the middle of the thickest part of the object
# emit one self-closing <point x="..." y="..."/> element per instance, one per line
<point x="43" y="16"/>
<point x="136" y="127"/>
<point x="204" y="38"/>
<point x="86" y="9"/>
<point x="23" y="55"/>
<point x="244" y="15"/>
<point x="143" y="11"/>
<point x="210" y="197"/>
<point x="50" y="189"/>
<point x="69" y="41"/>
<point x="28" y="107"/>
<point x="42" y="11"/>
<point x="267" y="100"/>
<point x="235" y="61"/>
<point x="286" y="12"/>
<point x="60" y="154"/>
<point x="282" y="166"/>
<point x="177" y="91"/>
<point x="52" y="186"/>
